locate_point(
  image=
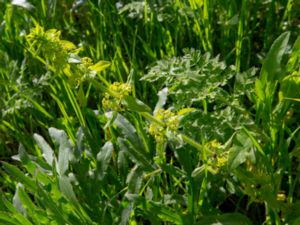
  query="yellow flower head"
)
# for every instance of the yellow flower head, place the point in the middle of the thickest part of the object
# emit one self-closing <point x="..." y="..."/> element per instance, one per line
<point x="170" y="121"/>
<point x="113" y="98"/>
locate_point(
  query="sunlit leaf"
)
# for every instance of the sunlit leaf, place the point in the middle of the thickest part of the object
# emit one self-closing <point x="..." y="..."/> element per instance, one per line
<point x="23" y="3"/>
<point x="99" y="66"/>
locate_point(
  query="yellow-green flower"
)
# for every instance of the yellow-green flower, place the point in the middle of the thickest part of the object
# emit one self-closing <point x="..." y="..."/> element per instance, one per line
<point x="113" y="97"/>
<point x="170" y="121"/>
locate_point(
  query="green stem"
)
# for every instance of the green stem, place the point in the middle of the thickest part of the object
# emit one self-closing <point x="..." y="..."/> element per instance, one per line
<point x="183" y="136"/>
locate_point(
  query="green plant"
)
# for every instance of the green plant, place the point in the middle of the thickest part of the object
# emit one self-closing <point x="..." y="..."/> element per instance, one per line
<point x="147" y="129"/>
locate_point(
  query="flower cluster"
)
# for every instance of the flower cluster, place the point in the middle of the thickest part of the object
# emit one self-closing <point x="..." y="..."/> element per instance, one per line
<point x="114" y="96"/>
<point x="171" y="124"/>
<point x="78" y="72"/>
<point x="219" y="157"/>
<point x="50" y="45"/>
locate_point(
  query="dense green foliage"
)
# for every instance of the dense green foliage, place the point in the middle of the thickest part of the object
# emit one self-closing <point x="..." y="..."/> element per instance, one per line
<point x="149" y="112"/>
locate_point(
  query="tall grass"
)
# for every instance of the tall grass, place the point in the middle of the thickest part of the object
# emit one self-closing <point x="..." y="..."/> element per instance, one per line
<point x="149" y="112"/>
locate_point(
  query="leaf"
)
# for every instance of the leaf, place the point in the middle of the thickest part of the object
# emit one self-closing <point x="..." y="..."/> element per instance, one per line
<point x="126" y="214"/>
<point x="73" y="58"/>
<point x="135" y="105"/>
<point x="259" y="90"/>
<point x="48" y="153"/>
<point x="18" y="175"/>
<point x="135" y="155"/>
<point x="22" y="219"/>
<point x="271" y="67"/>
<point x="154" y="209"/>
<point x="81" y="97"/>
<point x="67" y="189"/>
<point x="162" y="98"/>
<point x="79" y="145"/>
<point x="4" y="203"/>
<point x="185" y="159"/>
<point x="103" y="158"/>
<point x="99" y="66"/>
<point x="243" y="149"/>
<point x="38" y="106"/>
<point x="64" y="152"/>
<point x="134" y="181"/>
<point x="132" y="142"/>
<point x="48" y="202"/>
<point x="17" y="202"/>
<point x="36" y="214"/>
<point x="67" y="45"/>
<point x="122" y="162"/>
<point x="294" y="59"/>
<point x="8" y="219"/>
<point x="225" y="219"/>
<point x="22" y="3"/>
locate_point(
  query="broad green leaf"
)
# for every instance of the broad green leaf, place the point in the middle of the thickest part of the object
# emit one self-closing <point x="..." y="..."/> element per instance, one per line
<point x="47" y="151"/>
<point x="271" y="67"/>
<point x="135" y="105"/>
<point x="243" y="149"/>
<point x="103" y="158"/>
<point x="99" y="66"/>
<point x="225" y="219"/>
<point x="64" y="152"/>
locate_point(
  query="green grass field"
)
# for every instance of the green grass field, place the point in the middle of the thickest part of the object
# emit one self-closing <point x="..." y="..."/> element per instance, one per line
<point x="156" y="112"/>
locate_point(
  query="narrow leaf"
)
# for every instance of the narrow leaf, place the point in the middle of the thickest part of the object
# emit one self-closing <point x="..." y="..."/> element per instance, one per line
<point x="103" y="158"/>
<point x="99" y="66"/>
<point x="18" y="175"/>
<point x="64" y="153"/>
<point x="162" y="98"/>
<point x="48" y="153"/>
